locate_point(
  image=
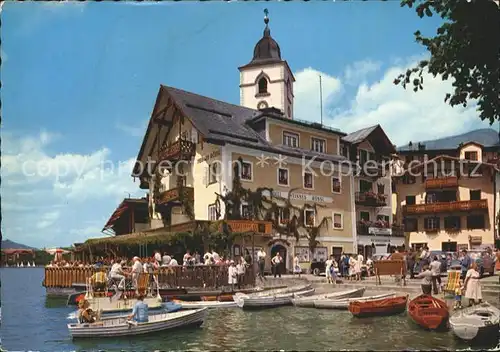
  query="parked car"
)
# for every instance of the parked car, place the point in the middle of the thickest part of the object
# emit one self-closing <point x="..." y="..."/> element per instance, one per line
<point x="317" y="267"/>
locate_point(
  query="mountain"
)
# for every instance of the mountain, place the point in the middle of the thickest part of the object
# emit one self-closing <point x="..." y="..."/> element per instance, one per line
<point x="8" y="244"/>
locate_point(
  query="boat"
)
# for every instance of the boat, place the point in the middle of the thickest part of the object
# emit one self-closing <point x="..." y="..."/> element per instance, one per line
<point x="383" y="306"/>
<point x="167" y="307"/>
<point x="429" y="312"/>
<point x="309" y="300"/>
<point x="344" y="303"/>
<point x="122" y="327"/>
<point x="476" y="324"/>
<point x="110" y="305"/>
<point x="273" y="298"/>
<point x="28" y="265"/>
<point x="206" y="304"/>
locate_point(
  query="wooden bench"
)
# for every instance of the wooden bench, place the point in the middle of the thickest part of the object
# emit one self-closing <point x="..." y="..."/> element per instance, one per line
<point x="390" y="267"/>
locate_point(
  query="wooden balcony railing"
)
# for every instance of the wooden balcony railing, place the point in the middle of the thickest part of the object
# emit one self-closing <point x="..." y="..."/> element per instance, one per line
<point x="179" y="150"/>
<point x="174" y="194"/>
<point x="257" y="226"/>
<point x="465" y="205"/>
<point x="445" y="182"/>
<point x="371" y="199"/>
<point x="208" y="276"/>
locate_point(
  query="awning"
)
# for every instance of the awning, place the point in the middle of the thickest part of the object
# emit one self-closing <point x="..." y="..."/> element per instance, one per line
<point x="11" y="251"/>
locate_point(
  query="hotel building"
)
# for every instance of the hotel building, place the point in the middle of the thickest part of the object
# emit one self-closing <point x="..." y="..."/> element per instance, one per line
<point x="447" y="194"/>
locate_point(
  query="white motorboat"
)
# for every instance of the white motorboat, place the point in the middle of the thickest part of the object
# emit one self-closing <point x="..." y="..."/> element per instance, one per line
<point x="22" y="265"/>
<point x="273" y="298"/>
<point x="479" y="323"/>
<point x="28" y="264"/>
<point x="344" y="303"/>
<point x="206" y="304"/>
<point x="309" y="301"/>
<point x="110" y="305"/>
<point x="123" y="327"/>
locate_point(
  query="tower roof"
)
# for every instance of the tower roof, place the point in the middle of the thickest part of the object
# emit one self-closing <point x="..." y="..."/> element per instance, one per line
<point x="267" y="49"/>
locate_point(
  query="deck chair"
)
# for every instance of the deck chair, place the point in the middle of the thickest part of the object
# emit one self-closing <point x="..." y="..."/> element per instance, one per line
<point x="143" y="284"/>
<point x="453" y="282"/>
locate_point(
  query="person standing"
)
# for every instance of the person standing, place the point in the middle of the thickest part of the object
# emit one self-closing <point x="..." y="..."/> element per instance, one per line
<point x="465" y="264"/>
<point x="296" y="265"/>
<point x="276" y="262"/>
<point x="137" y="269"/>
<point x="358" y="266"/>
<point x="426" y="277"/>
<point x="328" y="269"/>
<point x="435" y="267"/>
<point x="240" y="271"/>
<point x="261" y="258"/>
<point x="472" y="285"/>
<point x="410" y="262"/>
<point x="232" y="275"/>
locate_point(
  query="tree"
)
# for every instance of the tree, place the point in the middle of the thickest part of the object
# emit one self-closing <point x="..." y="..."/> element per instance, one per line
<point x="466" y="48"/>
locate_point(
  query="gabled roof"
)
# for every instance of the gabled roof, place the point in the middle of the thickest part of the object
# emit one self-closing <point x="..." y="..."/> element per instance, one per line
<point x="375" y="135"/>
<point x="487" y="137"/>
<point x="122" y="208"/>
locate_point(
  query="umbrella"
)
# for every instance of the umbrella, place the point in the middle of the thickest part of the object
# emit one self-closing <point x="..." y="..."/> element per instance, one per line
<point x="56" y="251"/>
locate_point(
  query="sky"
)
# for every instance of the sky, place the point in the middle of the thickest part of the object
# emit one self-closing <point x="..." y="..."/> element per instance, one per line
<point x="79" y="81"/>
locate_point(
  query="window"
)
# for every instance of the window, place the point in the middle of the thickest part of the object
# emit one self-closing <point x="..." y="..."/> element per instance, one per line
<point x="449" y="247"/>
<point x="262" y="85"/>
<point x="283" y="179"/>
<point x="431" y="198"/>
<point x="336" y="184"/>
<point x="338" y="221"/>
<point x="246" y="211"/>
<point x="344" y="151"/>
<point x="431" y="223"/>
<point x="475" y="194"/>
<point x="308" y="180"/>
<point x="384" y="218"/>
<point x="411" y="224"/>
<point x="410" y="200"/>
<point x="452" y="223"/>
<point x="363" y="157"/>
<point x="364" y="216"/>
<point x="291" y="139"/>
<point x="212" y="212"/>
<point x="365" y="186"/>
<point x="380" y="188"/>
<point x="246" y="171"/>
<point x="318" y="145"/>
<point x="309" y="216"/>
<point x="475" y="222"/>
<point x="284" y="215"/>
<point x="213" y="172"/>
<point x="471" y="156"/>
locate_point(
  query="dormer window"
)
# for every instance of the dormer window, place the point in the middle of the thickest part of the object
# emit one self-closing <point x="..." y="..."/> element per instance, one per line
<point x="262" y="85"/>
<point x="471" y="156"/>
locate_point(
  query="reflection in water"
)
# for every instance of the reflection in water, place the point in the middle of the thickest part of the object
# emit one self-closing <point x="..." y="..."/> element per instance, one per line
<point x="25" y="308"/>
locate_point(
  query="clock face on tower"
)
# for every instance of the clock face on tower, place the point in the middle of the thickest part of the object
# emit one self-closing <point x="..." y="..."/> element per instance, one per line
<point x="262" y="105"/>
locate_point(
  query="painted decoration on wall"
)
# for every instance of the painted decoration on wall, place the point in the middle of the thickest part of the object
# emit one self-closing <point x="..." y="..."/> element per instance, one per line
<point x="320" y="254"/>
<point x="303" y="254"/>
<point x="236" y="250"/>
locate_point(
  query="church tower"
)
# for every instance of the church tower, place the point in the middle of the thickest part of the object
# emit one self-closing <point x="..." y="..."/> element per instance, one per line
<point x="267" y="80"/>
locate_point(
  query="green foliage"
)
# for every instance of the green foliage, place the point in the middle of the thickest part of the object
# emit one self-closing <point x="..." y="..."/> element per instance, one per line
<point x="466" y="48"/>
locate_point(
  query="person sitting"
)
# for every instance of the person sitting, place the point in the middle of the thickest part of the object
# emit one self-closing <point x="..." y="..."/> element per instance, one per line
<point x="117" y="274"/>
<point x="99" y="279"/>
<point x="140" y="311"/>
<point x="85" y="314"/>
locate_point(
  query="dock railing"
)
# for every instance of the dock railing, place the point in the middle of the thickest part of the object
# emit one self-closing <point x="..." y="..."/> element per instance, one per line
<point x="199" y="276"/>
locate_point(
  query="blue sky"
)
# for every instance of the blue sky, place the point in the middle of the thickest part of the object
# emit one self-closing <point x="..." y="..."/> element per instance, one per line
<point x="79" y="81"/>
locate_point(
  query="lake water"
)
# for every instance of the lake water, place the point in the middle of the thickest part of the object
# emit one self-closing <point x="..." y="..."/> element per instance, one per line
<point x="30" y="321"/>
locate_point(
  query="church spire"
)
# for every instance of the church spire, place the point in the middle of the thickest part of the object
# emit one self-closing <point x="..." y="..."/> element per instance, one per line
<point x="267" y="31"/>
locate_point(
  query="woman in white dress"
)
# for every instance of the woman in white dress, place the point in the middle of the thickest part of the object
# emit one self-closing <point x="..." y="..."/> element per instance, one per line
<point x="352" y="267"/>
<point x="472" y="286"/>
<point x="232" y="275"/>
<point x="296" y="267"/>
<point x="359" y="264"/>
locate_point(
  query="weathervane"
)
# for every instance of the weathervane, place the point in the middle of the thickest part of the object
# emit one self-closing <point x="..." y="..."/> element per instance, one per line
<point x="266" y="19"/>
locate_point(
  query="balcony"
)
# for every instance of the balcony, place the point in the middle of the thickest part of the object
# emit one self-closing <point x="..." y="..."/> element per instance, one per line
<point x="458" y="206"/>
<point x="174" y="194"/>
<point x="251" y="226"/>
<point x="445" y="182"/>
<point x="179" y="150"/>
<point x="371" y="199"/>
<point x="379" y="228"/>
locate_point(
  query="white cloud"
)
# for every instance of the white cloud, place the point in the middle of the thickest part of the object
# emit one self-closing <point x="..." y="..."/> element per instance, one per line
<point x="403" y="114"/>
<point x="48" y="219"/>
<point x="307" y="93"/>
<point x="359" y="70"/>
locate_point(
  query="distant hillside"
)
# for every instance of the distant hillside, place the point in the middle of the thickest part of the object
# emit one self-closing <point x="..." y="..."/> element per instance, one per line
<point x="8" y="244"/>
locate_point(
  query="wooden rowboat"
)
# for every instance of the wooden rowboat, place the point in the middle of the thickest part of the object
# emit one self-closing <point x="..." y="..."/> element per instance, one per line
<point x="308" y="301"/>
<point x="429" y="312"/>
<point x="384" y="306"/>
<point x="122" y="327"/>
<point x="205" y="304"/>
<point x="280" y="297"/>
<point x="477" y="324"/>
<point x="344" y="303"/>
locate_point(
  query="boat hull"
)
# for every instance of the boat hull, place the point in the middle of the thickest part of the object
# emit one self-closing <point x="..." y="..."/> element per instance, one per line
<point x="308" y="302"/>
<point x="429" y="312"/>
<point x="206" y="304"/>
<point x="343" y="304"/>
<point x="272" y="299"/>
<point x="380" y="307"/>
<point x="122" y="328"/>
<point x="477" y="324"/>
